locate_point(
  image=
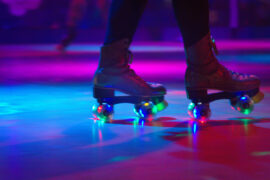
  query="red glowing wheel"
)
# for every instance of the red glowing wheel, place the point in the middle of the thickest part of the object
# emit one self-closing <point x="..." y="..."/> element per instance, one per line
<point x="103" y="111"/>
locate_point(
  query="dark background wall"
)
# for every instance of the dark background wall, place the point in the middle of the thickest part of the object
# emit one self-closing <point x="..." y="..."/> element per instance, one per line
<point x="48" y="18"/>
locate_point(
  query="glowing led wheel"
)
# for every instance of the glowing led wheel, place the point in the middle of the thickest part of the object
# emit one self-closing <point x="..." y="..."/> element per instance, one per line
<point x="200" y="111"/>
<point x="191" y="107"/>
<point x="103" y="111"/>
<point x="146" y="110"/>
<point x="243" y="104"/>
<point x="161" y="105"/>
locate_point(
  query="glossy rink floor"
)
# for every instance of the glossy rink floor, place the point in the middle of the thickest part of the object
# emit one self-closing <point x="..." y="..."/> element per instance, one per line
<point x="48" y="132"/>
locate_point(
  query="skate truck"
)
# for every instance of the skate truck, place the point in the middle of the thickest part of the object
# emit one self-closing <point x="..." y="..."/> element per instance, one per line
<point x="144" y="107"/>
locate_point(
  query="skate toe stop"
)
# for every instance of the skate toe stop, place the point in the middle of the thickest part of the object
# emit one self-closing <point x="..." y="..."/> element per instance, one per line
<point x="258" y="97"/>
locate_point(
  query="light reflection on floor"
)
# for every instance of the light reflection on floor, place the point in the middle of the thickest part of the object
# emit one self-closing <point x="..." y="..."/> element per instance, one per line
<point x="52" y="134"/>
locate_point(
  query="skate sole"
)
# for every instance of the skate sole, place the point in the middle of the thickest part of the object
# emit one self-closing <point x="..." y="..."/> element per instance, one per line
<point x="203" y="97"/>
<point x="106" y="95"/>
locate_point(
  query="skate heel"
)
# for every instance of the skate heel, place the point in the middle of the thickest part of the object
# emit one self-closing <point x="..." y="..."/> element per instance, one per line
<point x="196" y="94"/>
<point x="103" y="92"/>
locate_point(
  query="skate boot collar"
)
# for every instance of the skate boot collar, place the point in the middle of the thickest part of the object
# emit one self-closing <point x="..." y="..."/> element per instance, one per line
<point x="200" y="56"/>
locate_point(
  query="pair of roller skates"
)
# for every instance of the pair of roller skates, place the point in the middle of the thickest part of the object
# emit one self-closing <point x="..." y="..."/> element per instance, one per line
<point x="203" y="73"/>
<point x="147" y="107"/>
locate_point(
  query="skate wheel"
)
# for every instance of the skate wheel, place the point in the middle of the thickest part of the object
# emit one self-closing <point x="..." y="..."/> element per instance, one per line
<point x="243" y="104"/>
<point x="146" y="110"/>
<point x="103" y="111"/>
<point x="162" y="105"/>
<point x="200" y="111"/>
<point x="191" y="107"/>
<point x="258" y="97"/>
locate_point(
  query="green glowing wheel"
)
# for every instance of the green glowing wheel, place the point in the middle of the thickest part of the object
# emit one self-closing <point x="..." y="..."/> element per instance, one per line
<point x="243" y="104"/>
<point x="161" y="105"/>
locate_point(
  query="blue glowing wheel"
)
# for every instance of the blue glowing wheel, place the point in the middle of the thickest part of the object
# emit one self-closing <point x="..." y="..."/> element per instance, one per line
<point x="200" y="111"/>
<point x="146" y="110"/>
<point x="103" y="111"/>
<point x="243" y="104"/>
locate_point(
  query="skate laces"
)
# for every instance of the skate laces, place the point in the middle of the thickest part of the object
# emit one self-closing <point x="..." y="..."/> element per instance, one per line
<point x="235" y="75"/>
<point x="129" y="56"/>
<point x="239" y="76"/>
<point x="213" y="45"/>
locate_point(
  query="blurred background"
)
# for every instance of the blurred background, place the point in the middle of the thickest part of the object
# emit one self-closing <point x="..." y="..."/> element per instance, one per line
<point x="44" y="21"/>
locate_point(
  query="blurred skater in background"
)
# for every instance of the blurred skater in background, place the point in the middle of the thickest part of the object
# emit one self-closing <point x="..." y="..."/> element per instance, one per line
<point x="76" y="12"/>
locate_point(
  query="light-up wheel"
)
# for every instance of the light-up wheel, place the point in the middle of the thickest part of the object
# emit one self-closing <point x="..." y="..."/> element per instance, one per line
<point x="161" y="105"/>
<point x="146" y="110"/>
<point x="243" y="104"/>
<point x="103" y="111"/>
<point x="199" y="111"/>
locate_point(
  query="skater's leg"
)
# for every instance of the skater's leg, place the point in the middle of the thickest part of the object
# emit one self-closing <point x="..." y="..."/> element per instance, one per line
<point x="193" y="19"/>
<point x="204" y="71"/>
<point x="69" y="36"/>
<point x="123" y="19"/>
<point x="114" y="71"/>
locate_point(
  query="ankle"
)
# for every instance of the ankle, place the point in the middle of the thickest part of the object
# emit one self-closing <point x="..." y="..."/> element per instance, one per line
<point x="205" y="69"/>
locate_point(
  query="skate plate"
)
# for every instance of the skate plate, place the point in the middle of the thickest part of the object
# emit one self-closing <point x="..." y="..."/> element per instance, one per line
<point x="242" y="101"/>
<point x="229" y="95"/>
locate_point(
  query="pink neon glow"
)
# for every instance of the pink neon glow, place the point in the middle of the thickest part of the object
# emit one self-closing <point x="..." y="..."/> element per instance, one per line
<point x="58" y="67"/>
<point x="85" y="70"/>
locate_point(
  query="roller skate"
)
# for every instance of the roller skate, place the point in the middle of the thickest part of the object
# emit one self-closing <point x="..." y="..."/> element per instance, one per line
<point x="204" y="73"/>
<point x="114" y="74"/>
